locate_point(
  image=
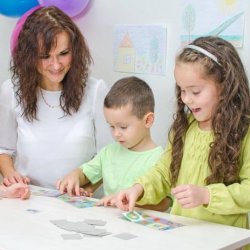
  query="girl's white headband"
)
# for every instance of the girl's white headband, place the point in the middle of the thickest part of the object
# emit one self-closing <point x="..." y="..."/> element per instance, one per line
<point x="204" y="52"/>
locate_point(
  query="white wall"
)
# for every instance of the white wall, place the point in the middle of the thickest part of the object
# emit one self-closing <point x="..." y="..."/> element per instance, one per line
<point x="98" y="24"/>
<point x="6" y="27"/>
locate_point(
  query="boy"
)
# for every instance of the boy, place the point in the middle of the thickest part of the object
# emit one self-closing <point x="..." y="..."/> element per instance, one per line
<point x="129" y="110"/>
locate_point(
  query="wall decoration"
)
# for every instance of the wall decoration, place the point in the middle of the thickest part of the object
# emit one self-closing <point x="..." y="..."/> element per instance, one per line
<point x="140" y="49"/>
<point x="224" y="18"/>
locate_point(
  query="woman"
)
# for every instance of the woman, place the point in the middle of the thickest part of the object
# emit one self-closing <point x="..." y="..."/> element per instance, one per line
<point x="51" y="111"/>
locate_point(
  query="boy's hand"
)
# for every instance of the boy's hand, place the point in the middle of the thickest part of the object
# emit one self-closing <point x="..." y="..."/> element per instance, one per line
<point x="190" y="196"/>
<point x="16" y="190"/>
<point x="15" y="177"/>
<point x="127" y="198"/>
<point x="70" y="183"/>
<point x="85" y="192"/>
<point x="106" y="201"/>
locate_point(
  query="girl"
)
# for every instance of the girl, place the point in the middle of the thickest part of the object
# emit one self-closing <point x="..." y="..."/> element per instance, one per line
<point x="206" y="166"/>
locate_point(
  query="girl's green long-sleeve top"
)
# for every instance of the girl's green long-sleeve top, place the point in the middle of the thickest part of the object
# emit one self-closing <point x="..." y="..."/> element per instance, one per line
<point x="228" y="204"/>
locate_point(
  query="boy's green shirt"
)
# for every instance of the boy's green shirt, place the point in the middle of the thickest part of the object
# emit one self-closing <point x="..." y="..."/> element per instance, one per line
<point x="119" y="167"/>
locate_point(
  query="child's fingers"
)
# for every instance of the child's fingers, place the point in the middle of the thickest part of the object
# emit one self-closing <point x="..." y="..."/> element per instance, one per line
<point x="106" y="203"/>
<point x="181" y="195"/>
<point x="83" y="192"/>
<point x="113" y="202"/>
<point x="25" y="194"/>
<point x="131" y="203"/>
<point x="180" y="190"/>
<point x="77" y="190"/>
<point x="58" y="183"/>
<point x="102" y="202"/>
<point x="99" y="203"/>
<point x="70" y="189"/>
<point x="60" y="186"/>
<point x="122" y="202"/>
<point x="18" y="190"/>
<point x="109" y="201"/>
<point x="19" y="185"/>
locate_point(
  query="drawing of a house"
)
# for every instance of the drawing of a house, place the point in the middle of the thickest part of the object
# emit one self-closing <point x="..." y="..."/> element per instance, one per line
<point x="126" y="55"/>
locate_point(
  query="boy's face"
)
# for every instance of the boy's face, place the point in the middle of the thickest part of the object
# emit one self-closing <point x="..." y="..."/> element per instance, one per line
<point x="130" y="131"/>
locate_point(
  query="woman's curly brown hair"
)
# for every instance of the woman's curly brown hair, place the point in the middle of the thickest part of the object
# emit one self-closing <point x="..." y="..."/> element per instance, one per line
<point x="41" y="27"/>
<point x="231" y="119"/>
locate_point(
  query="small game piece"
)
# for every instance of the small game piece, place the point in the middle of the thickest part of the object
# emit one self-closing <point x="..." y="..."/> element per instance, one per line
<point x="125" y="236"/>
<point x="133" y="216"/>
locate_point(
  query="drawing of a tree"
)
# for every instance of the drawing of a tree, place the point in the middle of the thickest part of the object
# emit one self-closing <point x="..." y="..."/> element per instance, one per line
<point x="189" y="20"/>
<point x="153" y="50"/>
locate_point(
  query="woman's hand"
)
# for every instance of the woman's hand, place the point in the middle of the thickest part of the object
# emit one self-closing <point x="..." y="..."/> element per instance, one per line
<point x="127" y="198"/>
<point x="190" y="196"/>
<point x="15" y="177"/>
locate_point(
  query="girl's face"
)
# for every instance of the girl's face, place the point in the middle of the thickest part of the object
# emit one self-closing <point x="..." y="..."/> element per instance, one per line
<point x="198" y="93"/>
<point x="54" y="66"/>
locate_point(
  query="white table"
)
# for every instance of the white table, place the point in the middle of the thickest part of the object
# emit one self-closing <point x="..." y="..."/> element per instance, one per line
<point x="21" y="230"/>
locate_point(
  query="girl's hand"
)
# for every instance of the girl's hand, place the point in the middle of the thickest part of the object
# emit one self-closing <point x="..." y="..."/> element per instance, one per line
<point x="70" y="183"/>
<point x="16" y="190"/>
<point x="127" y="198"/>
<point x="15" y="177"/>
<point x="106" y="201"/>
<point x="190" y="196"/>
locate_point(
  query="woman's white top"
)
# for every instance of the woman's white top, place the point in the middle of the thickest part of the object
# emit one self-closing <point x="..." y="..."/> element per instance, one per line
<point x="48" y="148"/>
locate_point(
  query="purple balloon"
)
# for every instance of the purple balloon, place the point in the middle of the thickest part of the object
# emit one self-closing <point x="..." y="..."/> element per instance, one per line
<point x="19" y="26"/>
<point x="70" y="7"/>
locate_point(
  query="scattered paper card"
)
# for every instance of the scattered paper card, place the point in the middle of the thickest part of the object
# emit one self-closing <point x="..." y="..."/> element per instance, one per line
<point x="95" y="222"/>
<point x="78" y="201"/>
<point x="80" y="227"/>
<point x="125" y="236"/>
<point x="133" y="216"/>
<point x="33" y="211"/>
<point x="151" y="221"/>
<point x="40" y="191"/>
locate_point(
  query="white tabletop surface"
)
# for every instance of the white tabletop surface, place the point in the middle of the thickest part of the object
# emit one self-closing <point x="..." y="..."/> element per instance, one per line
<point x="22" y="230"/>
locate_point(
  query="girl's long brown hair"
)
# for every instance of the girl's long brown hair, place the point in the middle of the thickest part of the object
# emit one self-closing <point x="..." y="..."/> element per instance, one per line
<point x="41" y="27"/>
<point x="231" y="118"/>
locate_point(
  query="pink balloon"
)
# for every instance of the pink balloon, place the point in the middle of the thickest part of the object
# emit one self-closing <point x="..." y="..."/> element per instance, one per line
<point x="70" y="7"/>
<point x="19" y="26"/>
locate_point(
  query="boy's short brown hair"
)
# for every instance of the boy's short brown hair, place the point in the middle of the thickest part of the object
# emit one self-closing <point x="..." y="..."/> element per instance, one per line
<point x="131" y="90"/>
